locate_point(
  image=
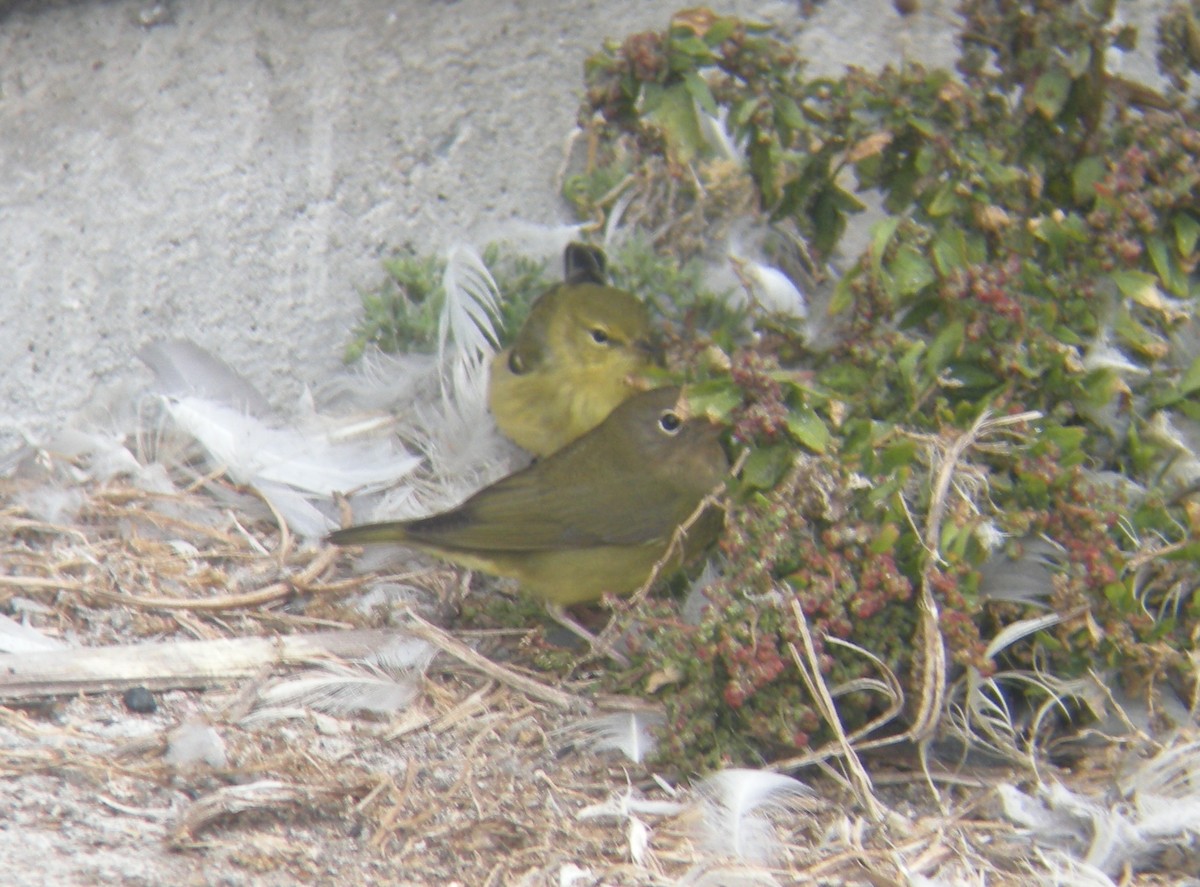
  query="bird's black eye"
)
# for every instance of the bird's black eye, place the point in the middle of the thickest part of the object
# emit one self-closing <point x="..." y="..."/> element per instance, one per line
<point x="515" y="365"/>
<point x="669" y="422"/>
<point x="599" y="337"/>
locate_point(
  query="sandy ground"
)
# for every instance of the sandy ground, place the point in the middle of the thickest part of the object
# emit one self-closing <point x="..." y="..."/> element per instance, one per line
<point x="233" y="172"/>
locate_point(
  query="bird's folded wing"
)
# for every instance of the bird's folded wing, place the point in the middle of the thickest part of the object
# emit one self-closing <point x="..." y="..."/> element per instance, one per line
<point x="536" y="517"/>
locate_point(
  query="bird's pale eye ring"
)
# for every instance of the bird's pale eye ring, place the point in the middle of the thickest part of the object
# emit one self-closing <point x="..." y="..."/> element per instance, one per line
<point x="670" y="422"/>
<point x="599" y="336"/>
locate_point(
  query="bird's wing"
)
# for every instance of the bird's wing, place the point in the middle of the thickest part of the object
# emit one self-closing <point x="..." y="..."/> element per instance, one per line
<point x="527" y="513"/>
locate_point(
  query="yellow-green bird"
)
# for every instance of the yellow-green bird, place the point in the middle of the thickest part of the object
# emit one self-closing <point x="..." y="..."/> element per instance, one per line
<point x="572" y="360"/>
<point x="594" y="517"/>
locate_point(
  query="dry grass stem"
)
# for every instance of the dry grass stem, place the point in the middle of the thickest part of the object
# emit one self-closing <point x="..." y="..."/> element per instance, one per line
<point x="456" y="649"/>
<point x="809" y="668"/>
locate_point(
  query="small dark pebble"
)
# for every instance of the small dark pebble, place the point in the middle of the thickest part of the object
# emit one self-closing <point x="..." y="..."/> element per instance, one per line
<point x="140" y="700"/>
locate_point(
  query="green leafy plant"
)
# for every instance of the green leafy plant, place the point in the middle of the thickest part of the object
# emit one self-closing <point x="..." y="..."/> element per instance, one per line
<point x="1018" y="332"/>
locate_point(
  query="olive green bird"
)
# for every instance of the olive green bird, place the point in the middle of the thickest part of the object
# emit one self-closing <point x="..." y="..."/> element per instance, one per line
<point x="572" y="360"/>
<point x="594" y="517"/>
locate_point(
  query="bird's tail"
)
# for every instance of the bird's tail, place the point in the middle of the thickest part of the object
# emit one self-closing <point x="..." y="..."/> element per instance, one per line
<point x="392" y="531"/>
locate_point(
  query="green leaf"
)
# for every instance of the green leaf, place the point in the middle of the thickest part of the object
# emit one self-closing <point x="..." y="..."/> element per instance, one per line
<point x="921" y="311"/>
<point x="715" y="398"/>
<point x="1139" y="286"/>
<point x="828" y="217"/>
<point x="674" y="112"/>
<point x="944" y="346"/>
<point x="720" y="30"/>
<point x="765" y="466"/>
<point x="688" y="44"/>
<point x="742" y="112"/>
<point x="1131" y="332"/>
<point x="923" y="126"/>
<point x="908" y="361"/>
<point x="911" y="271"/>
<point x="884" y="489"/>
<point x="1059" y="232"/>
<point x="788" y="113"/>
<point x="1078" y="61"/>
<point x="1121" y="597"/>
<point x="1141" y="453"/>
<point x="950" y="250"/>
<point x="1051" y="91"/>
<point x="1099" y="387"/>
<point x="885" y="539"/>
<point x="925" y="158"/>
<point x="1169" y="273"/>
<point x="1084" y="177"/>
<point x="898" y="455"/>
<point x="844" y="378"/>
<point x="843" y="293"/>
<point x="697" y="88"/>
<point x="1188" y="553"/>
<point x="955" y="539"/>
<point x="806" y="426"/>
<point x="1189" y="409"/>
<point x="1191" y="379"/>
<point x="945" y="200"/>
<point x="973" y="379"/>
<point x="1002" y="175"/>
<point x="1187" y="231"/>
<point x="881" y="235"/>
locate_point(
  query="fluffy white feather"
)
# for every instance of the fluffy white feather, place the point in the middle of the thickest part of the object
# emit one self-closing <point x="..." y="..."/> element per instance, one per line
<point x="543" y="242"/>
<point x="472" y="302"/>
<point x="627" y="804"/>
<point x="297" y="470"/>
<point x="1026" y="579"/>
<point x="464" y="451"/>
<point x="628" y="732"/>
<point x="718" y="137"/>
<point x="696" y="601"/>
<point x="384" y="382"/>
<point x="383" y="683"/>
<point x="1160" y="810"/>
<point x="442" y="409"/>
<point x="181" y="367"/>
<point x="404" y="655"/>
<point x="103" y="454"/>
<point x="1181" y="435"/>
<point x="769" y="288"/>
<point x="253" y="451"/>
<point x="571" y="875"/>
<point x="195" y="742"/>
<point x="627" y="809"/>
<point x="737" y="805"/>
<point x="51" y="503"/>
<point x="1013" y="632"/>
<point x="16" y="637"/>
<point x="1102" y="354"/>
<point x="292" y="469"/>
<point x="343" y="689"/>
<point x="1165" y="794"/>
<point x="1064" y="870"/>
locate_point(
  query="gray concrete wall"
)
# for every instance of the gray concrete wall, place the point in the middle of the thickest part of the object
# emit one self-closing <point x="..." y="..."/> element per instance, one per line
<point x="233" y="171"/>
